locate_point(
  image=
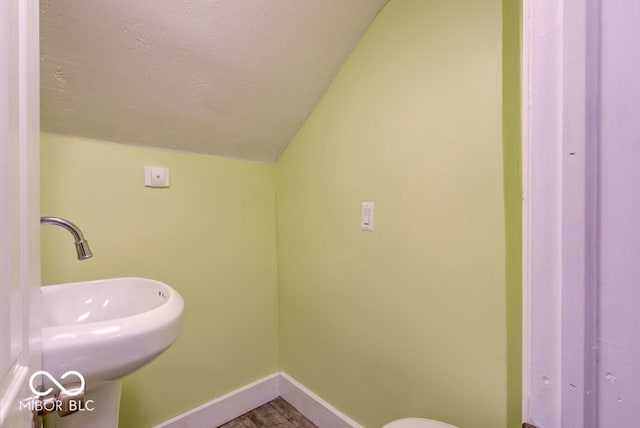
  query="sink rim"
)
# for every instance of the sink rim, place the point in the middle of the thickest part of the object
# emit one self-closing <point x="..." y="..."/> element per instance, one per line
<point x="111" y="349"/>
<point x="172" y="296"/>
<point x="80" y="335"/>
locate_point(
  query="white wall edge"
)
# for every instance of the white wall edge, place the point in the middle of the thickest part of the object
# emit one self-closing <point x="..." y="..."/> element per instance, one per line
<point x="244" y="399"/>
<point x="560" y="110"/>
<point x="317" y="410"/>
<point x="542" y="210"/>
<point x="229" y="406"/>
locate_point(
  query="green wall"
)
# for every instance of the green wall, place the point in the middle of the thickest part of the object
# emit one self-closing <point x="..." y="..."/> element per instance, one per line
<point x="211" y="236"/>
<point x="511" y="131"/>
<point x="408" y="320"/>
<point x="421" y="317"/>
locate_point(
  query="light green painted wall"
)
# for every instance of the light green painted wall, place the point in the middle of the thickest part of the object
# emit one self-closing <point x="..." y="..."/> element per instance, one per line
<point x="511" y="48"/>
<point x="409" y="320"/>
<point x="211" y="236"/>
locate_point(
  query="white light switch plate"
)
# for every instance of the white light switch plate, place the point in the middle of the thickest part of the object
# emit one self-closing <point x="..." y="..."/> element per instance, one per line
<point x="366" y="217"/>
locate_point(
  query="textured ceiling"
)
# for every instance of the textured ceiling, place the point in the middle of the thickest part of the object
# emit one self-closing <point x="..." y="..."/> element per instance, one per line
<point x="232" y="78"/>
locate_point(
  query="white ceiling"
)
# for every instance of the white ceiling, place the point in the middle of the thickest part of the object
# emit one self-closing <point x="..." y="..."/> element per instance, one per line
<point x="233" y="78"/>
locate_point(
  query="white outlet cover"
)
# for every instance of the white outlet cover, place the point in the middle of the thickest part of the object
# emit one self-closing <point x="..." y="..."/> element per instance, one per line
<point x="156" y="176"/>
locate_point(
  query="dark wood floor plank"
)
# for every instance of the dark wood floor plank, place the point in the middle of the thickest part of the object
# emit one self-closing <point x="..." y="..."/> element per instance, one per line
<point x="267" y="417"/>
<point x="239" y="422"/>
<point x="274" y="414"/>
<point x="295" y="418"/>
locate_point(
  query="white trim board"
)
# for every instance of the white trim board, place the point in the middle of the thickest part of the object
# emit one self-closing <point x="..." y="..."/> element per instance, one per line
<point x="560" y="120"/>
<point x="255" y="394"/>
<point x="318" y="411"/>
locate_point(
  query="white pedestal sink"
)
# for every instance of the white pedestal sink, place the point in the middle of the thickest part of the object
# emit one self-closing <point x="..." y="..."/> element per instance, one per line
<point x="105" y="330"/>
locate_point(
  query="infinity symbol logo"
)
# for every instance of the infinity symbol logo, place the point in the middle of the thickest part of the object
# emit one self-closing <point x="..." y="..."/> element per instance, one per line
<point x="72" y="391"/>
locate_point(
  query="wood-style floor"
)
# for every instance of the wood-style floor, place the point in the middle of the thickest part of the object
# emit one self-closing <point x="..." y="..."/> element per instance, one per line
<point x="275" y="414"/>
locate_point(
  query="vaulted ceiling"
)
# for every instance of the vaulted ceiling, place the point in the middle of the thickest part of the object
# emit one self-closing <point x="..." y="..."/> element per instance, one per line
<point x="233" y="78"/>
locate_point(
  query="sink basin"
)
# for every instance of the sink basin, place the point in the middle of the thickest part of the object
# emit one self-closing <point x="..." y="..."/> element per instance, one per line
<point x="107" y="329"/>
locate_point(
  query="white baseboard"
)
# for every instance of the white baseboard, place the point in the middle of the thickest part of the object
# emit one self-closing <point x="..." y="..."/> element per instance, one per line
<point x="247" y="398"/>
<point x="229" y="406"/>
<point x="318" y="411"/>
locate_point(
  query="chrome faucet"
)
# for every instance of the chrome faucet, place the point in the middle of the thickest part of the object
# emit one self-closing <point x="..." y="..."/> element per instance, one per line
<point x="82" y="246"/>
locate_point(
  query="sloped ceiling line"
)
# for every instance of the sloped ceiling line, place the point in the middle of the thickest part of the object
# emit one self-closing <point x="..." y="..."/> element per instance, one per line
<point x="221" y="77"/>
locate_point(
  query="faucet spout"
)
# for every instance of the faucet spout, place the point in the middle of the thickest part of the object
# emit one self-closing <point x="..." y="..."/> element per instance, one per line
<point x="82" y="246"/>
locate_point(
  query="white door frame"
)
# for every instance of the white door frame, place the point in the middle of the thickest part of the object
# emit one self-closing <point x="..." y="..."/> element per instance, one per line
<point x="560" y="142"/>
<point x="19" y="207"/>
